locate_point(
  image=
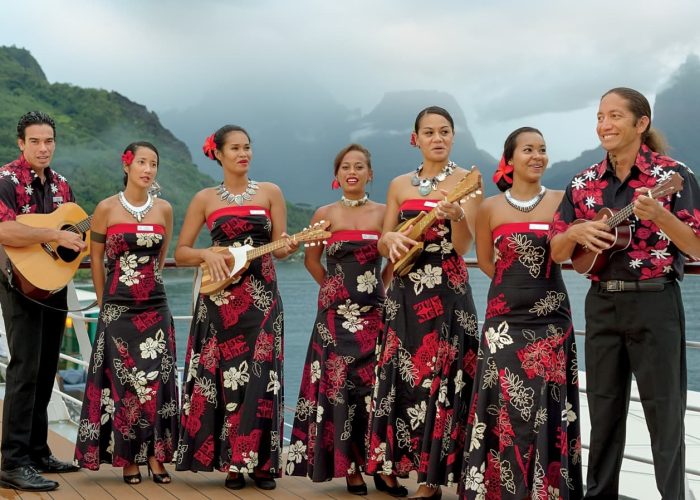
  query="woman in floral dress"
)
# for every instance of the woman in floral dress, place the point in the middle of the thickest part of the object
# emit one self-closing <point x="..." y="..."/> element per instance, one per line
<point x="524" y="432"/>
<point x="331" y="416"/>
<point x="129" y="412"/>
<point x="427" y="354"/>
<point x="232" y="413"/>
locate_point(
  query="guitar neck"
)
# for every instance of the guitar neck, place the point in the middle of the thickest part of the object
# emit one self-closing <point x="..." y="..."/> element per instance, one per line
<point x="427" y="221"/>
<point x="254" y="253"/>
<point x="84" y="225"/>
<point x="621" y="216"/>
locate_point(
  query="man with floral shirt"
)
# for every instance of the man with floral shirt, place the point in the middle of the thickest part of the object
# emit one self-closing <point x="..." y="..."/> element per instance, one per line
<point x="29" y="185"/>
<point x="634" y="312"/>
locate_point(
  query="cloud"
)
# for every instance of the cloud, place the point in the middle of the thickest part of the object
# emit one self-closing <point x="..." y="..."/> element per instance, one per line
<point x="503" y="60"/>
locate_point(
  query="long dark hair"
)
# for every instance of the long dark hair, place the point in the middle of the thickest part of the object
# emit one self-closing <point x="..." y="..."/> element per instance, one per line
<point x="351" y="147"/>
<point x="220" y="138"/>
<point x="509" y="151"/>
<point x="433" y="110"/>
<point x="639" y="106"/>
<point x="140" y="144"/>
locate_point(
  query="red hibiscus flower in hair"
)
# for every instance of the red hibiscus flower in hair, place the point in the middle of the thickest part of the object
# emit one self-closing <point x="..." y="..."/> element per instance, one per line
<point x="209" y="146"/>
<point x="503" y="172"/>
<point x="127" y="158"/>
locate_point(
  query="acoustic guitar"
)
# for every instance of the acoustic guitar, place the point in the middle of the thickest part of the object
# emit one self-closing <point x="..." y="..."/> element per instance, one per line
<point x="42" y="269"/>
<point x="586" y="261"/>
<point x="469" y="185"/>
<point x="243" y="255"/>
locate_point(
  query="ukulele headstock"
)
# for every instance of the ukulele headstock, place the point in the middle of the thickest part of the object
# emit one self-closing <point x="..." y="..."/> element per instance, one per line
<point x="468" y="186"/>
<point x="673" y="184"/>
<point x="315" y="234"/>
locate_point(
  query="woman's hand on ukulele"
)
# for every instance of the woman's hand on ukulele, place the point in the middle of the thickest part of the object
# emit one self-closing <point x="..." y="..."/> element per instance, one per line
<point x="71" y="240"/>
<point x="218" y="264"/>
<point x="398" y="243"/>
<point x="291" y="245"/>
<point x="647" y="208"/>
<point x="592" y="235"/>
<point x="449" y="211"/>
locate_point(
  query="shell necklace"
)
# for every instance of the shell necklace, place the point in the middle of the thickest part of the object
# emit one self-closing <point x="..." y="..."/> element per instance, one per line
<point x="238" y="199"/>
<point x="137" y="213"/>
<point x="353" y="203"/>
<point x="525" y="205"/>
<point x="426" y="186"/>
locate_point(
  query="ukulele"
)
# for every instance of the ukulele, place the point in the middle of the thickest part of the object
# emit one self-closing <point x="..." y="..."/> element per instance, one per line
<point x="243" y="255"/>
<point x="587" y="262"/>
<point x="42" y="269"/>
<point x="469" y="185"/>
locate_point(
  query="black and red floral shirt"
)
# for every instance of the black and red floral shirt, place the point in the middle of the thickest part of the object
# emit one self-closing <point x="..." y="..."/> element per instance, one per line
<point x="650" y="254"/>
<point x="22" y="192"/>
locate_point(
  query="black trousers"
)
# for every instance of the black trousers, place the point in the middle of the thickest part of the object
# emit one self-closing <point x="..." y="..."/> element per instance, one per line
<point x="34" y="337"/>
<point x="640" y="333"/>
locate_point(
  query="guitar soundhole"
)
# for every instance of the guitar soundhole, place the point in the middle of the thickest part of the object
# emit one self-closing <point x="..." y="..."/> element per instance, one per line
<point x="66" y="254"/>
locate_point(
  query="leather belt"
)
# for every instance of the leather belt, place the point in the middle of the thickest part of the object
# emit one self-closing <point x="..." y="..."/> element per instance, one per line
<point x="650" y="285"/>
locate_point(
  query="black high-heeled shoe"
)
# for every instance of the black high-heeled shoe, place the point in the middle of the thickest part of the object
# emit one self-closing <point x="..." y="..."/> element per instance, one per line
<point x="356" y="489"/>
<point x="162" y="478"/>
<point x="394" y="491"/>
<point x="132" y="478"/>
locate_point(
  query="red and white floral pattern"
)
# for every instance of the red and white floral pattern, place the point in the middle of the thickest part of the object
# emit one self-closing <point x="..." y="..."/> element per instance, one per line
<point x="130" y="407"/>
<point x="426" y="364"/>
<point x="524" y="435"/>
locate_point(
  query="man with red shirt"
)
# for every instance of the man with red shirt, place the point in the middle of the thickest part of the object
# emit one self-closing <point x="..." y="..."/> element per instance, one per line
<point x="634" y="311"/>
<point x="29" y="185"/>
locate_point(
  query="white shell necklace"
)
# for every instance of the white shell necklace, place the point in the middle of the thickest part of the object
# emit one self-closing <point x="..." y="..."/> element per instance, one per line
<point x="137" y="213"/>
<point x="353" y="203"/>
<point x="525" y="205"/>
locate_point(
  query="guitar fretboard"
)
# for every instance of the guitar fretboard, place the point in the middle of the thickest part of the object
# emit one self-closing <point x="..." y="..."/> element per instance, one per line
<point x="254" y="253"/>
<point x="82" y="226"/>
<point x="620" y="216"/>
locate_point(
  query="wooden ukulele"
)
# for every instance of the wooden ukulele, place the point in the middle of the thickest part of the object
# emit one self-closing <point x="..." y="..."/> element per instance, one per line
<point x="243" y="255"/>
<point x="587" y="262"/>
<point x="469" y="185"/>
<point x="42" y="269"/>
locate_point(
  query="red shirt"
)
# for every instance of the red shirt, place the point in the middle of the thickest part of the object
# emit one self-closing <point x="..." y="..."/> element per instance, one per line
<point x="22" y="192"/>
<point x="650" y="253"/>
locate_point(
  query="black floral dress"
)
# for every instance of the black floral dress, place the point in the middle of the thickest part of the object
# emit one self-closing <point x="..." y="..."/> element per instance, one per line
<point x="130" y="405"/>
<point x="232" y="415"/>
<point x="331" y="417"/>
<point x="524" y="426"/>
<point x="426" y="364"/>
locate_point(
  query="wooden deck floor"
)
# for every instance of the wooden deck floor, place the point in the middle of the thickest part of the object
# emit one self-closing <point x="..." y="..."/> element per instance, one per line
<point x="107" y="483"/>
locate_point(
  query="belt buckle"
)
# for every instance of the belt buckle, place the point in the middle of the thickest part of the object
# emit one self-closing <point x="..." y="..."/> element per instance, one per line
<point x="614" y="286"/>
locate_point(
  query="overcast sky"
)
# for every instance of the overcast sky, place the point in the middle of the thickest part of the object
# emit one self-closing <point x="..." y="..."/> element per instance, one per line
<point x="508" y="63"/>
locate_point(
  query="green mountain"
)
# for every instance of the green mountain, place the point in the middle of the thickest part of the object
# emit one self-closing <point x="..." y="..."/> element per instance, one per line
<point x="92" y="128"/>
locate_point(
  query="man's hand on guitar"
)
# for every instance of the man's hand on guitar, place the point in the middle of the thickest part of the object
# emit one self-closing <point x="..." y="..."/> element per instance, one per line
<point x="646" y="208"/>
<point x="592" y="235"/>
<point x="71" y="240"/>
<point x="218" y="263"/>
<point x="398" y="243"/>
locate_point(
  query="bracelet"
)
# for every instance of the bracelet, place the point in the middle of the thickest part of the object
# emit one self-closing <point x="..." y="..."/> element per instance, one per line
<point x="459" y="219"/>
